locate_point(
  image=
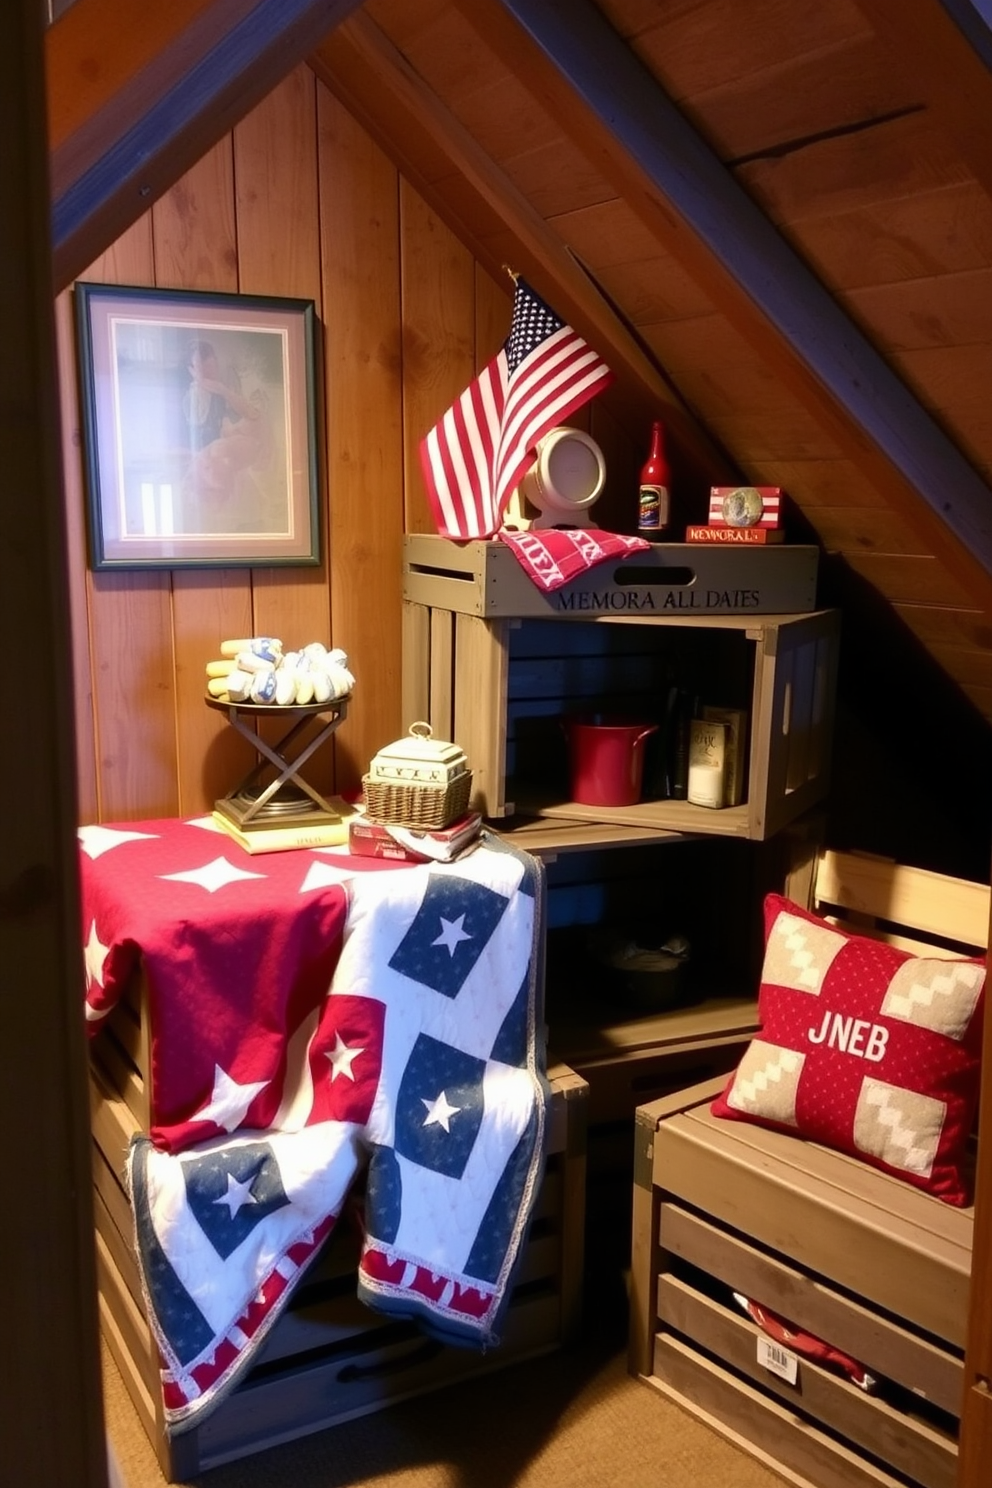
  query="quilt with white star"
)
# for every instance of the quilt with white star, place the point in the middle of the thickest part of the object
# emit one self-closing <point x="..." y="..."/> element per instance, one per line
<point x="314" y="1017"/>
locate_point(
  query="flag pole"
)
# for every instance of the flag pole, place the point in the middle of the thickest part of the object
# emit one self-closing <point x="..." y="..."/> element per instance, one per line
<point x="512" y="272"/>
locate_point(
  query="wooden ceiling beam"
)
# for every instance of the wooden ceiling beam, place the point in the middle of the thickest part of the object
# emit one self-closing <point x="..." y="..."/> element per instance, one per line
<point x="607" y="102"/>
<point x="132" y="106"/>
<point x="375" y="82"/>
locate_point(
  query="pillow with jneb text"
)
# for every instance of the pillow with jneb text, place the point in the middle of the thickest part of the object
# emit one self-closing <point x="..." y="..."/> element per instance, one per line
<point x="864" y="1048"/>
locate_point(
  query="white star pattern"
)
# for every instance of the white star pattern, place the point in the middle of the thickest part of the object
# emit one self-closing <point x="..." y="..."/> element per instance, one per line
<point x="451" y="934"/>
<point x="320" y="875"/>
<point x="229" y="1101"/>
<point x="96" y="954"/>
<point x="440" y="1111"/>
<point x="238" y="1194"/>
<point x="207" y="823"/>
<point x="342" y="1057"/>
<point x="533" y="322"/>
<point x="212" y="876"/>
<point x="97" y="840"/>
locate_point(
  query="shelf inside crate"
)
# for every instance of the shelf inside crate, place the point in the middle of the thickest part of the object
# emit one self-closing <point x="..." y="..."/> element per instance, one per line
<point x="547" y="836"/>
<point x="585" y="1024"/>
<point x="658" y="816"/>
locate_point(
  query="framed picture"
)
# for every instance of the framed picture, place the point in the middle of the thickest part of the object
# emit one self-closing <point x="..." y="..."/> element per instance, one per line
<point x="199" y="430"/>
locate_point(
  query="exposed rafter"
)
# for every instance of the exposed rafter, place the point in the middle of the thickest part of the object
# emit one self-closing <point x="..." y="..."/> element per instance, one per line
<point x="131" y="107"/>
<point x="603" y="97"/>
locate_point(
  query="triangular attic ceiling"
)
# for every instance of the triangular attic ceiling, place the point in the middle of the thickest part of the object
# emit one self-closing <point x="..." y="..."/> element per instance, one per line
<point x="773" y="219"/>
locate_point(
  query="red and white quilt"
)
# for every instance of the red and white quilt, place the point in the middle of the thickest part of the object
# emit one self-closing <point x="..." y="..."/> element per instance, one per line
<point x="316" y="1015"/>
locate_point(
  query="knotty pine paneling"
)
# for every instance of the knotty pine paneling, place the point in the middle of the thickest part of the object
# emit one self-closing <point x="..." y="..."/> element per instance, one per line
<point x="130" y="632"/>
<point x="361" y="264"/>
<point x="275" y="176"/>
<point x="195" y="248"/>
<point x="297" y="201"/>
<point x="438" y="335"/>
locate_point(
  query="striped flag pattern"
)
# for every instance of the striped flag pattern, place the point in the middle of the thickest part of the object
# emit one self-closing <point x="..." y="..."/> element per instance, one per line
<point x="476" y="455"/>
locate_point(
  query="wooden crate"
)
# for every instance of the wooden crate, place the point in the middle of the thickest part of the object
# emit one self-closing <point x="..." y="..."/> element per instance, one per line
<point x="869" y="1263"/>
<point x="500" y="685"/>
<point x="484" y="578"/>
<point x="329" y="1358"/>
<point x="634" y="1043"/>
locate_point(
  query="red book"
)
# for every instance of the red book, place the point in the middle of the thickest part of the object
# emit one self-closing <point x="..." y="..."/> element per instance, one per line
<point x="734" y="535"/>
<point x="374" y="839"/>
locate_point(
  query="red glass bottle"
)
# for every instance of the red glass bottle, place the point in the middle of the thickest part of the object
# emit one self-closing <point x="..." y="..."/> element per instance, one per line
<point x="652" y="503"/>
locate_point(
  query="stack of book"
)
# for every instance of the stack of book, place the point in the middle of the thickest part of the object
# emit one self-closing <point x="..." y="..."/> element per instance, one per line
<point x="377" y="839"/>
<point x="267" y="836"/>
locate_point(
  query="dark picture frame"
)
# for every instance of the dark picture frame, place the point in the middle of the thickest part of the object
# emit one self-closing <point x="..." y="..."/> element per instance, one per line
<point x="199" y="428"/>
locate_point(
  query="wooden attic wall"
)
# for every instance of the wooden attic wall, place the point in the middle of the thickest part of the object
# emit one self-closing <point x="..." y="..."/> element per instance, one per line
<point x="296" y="201"/>
<point x="299" y="201"/>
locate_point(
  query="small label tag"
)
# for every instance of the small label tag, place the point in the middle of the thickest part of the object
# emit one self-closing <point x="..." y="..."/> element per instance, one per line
<point x="778" y="1360"/>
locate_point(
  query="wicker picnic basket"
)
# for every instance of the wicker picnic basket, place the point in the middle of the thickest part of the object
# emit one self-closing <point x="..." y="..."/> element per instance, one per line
<point x="418" y="781"/>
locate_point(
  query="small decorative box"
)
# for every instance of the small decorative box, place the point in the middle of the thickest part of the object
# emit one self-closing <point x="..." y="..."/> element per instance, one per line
<point x="419" y="758"/>
<point x="418" y="781"/>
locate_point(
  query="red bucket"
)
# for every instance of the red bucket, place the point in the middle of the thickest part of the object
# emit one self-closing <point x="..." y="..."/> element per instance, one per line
<point x="606" y="757"/>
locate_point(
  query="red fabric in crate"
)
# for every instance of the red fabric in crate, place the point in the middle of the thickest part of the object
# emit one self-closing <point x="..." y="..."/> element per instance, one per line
<point x="551" y="556"/>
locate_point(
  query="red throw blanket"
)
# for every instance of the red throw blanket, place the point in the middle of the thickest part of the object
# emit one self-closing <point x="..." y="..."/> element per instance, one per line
<point x="551" y="556"/>
<point x="237" y="951"/>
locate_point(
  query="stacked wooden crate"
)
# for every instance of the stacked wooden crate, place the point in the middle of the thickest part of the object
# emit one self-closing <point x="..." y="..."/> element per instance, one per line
<point x="329" y="1357"/>
<point x="842" y="1251"/>
<point x="497" y="665"/>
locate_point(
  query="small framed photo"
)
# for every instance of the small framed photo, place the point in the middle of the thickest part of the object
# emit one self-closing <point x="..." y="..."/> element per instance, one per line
<point x="199" y="428"/>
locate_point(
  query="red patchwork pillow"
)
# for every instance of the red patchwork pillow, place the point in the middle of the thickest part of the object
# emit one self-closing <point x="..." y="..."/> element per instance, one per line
<point x="864" y="1048"/>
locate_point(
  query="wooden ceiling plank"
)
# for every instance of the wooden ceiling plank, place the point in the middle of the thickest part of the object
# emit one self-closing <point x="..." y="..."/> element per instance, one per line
<point x="945" y="231"/>
<point x="652" y="290"/>
<point x="844" y="87"/>
<point x="574" y="294"/>
<point x="945" y="310"/>
<point x="903" y="157"/>
<point x="908" y="579"/>
<point x="857" y="529"/>
<point x="646" y="146"/>
<point x="942" y="624"/>
<point x="608" y="233"/>
<point x="755" y="444"/>
<point x="133" y="107"/>
<point x="965" y="666"/>
<point x="823" y="483"/>
<point x="956" y="381"/>
<point x="948" y="45"/>
<point x="709" y="46"/>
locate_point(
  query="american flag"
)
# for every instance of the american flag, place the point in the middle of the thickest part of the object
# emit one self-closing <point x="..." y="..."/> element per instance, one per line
<point x="475" y="456"/>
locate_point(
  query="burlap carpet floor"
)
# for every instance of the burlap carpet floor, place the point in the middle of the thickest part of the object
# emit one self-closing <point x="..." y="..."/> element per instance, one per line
<point x="572" y="1419"/>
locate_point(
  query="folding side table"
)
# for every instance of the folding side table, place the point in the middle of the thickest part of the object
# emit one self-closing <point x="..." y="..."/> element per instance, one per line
<point x="287" y="799"/>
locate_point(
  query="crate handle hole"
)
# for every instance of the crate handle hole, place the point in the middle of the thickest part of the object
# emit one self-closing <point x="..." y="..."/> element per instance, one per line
<point x="641" y="577"/>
